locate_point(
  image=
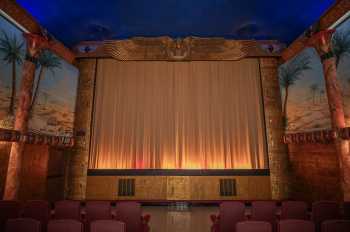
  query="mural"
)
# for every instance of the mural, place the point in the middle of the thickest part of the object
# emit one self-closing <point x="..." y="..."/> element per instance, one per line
<point x="305" y="105"/>
<point x="304" y="98"/>
<point x="341" y="48"/>
<point x="54" y="92"/>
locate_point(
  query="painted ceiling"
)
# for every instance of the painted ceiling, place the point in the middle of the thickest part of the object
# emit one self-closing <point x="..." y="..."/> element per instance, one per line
<point x="72" y="21"/>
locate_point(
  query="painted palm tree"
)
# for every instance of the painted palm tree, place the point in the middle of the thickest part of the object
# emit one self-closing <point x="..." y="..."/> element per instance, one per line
<point x="12" y="50"/>
<point x="47" y="62"/>
<point x="321" y="94"/>
<point x="288" y="74"/>
<point x="314" y="89"/>
<point x="341" y="45"/>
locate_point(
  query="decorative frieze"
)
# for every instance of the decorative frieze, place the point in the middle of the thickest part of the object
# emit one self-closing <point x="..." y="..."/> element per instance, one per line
<point x="179" y="49"/>
<point x="38" y="139"/>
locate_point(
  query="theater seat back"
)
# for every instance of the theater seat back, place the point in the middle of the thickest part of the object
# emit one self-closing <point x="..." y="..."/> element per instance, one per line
<point x="8" y="210"/>
<point x="23" y="225"/>
<point x="64" y="225"/>
<point x="230" y="214"/>
<point x="38" y="210"/>
<point x="253" y="226"/>
<point x="323" y="211"/>
<point x="294" y="225"/>
<point x="68" y="210"/>
<point x="336" y="226"/>
<point x="130" y="214"/>
<point x="294" y="210"/>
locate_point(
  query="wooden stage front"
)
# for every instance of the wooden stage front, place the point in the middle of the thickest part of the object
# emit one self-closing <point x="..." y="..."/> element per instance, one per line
<point x="178" y="185"/>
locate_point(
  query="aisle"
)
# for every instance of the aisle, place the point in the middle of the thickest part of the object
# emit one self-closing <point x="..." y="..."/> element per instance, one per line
<point x="166" y="219"/>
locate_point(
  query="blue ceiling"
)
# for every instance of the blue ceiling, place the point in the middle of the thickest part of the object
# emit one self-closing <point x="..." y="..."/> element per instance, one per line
<point x="71" y="21"/>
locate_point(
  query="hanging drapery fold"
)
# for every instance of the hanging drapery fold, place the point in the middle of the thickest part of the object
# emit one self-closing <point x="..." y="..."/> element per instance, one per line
<point x="186" y="115"/>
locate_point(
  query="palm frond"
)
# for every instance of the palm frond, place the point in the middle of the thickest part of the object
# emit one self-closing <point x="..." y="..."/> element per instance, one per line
<point x="291" y="72"/>
<point x="49" y="61"/>
<point x="11" y="48"/>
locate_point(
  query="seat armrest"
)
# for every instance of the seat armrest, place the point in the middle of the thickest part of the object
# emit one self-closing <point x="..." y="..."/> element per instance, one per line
<point x="144" y="222"/>
<point x="215" y="219"/>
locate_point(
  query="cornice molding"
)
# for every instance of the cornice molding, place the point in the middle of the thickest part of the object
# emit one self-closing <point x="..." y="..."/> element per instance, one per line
<point x="181" y="49"/>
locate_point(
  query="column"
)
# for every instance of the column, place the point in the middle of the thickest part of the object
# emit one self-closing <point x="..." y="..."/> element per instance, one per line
<point x="277" y="151"/>
<point x="322" y="42"/>
<point x="35" y="44"/>
<point x="79" y="155"/>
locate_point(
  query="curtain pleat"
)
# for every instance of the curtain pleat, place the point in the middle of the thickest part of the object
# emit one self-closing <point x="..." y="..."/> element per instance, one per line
<point x="178" y="115"/>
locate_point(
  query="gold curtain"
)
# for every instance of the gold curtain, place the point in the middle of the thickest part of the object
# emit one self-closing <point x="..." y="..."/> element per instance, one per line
<point x="168" y="115"/>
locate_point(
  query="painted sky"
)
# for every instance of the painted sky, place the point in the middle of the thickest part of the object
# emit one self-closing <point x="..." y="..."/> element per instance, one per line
<point x="74" y="21"/>
<point x="344" y="64"/>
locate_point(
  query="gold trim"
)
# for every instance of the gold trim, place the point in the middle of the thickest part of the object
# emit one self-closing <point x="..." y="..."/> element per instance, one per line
<point x="181" y="49"/>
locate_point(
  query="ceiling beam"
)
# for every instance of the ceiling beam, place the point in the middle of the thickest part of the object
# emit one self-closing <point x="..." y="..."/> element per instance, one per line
<point x="25" y="21"/>
<point x="327" y="20"/>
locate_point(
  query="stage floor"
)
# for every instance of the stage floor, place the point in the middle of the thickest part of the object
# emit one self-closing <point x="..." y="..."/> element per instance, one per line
<point x="175" y="219"/>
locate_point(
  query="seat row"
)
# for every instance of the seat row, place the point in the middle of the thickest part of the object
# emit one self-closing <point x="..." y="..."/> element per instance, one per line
<point x="63" y="225"/>
<point x="293" y="225"/>
<point x="128" y="212"/>
<point x="233" y="212"/>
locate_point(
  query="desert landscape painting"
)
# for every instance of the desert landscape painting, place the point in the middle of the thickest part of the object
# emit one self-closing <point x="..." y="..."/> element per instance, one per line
<point x="341" y="47"/>
<point x="54" y="91"/>
<point x="304" y="98"/>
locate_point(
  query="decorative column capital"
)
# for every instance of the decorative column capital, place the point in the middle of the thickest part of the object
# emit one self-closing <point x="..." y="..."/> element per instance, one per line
<point x="322" y="42"/>
<point x="35" y="44"/>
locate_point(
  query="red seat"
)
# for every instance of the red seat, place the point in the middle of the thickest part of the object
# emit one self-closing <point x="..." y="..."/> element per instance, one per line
<point x="68" y="210"/>
<point x="295" y="225"/>
<point x="23" y="225"/>
<point x="229" y="214"/>
<point x="324" y="210"/>
<point x="346" y="207"/>
<point x="97" y="210"/>
<point x="107" y="226"/>
<point x="38" y="210"/>
<point x="336" y="226"/>
<point x="264" y="211"/>
<point x="130" y="213"/>
<point x="253" y="226"/>
<point x="294" y="210"/>
<point x="8" y="210"/>
<point x="64" y="225"/>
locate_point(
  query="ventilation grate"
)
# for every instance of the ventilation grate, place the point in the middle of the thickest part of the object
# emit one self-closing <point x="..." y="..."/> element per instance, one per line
<point x="126" y="187"/>
<point x="228" y="187"/>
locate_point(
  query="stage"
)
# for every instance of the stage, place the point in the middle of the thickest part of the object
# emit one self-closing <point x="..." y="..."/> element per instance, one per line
<point x="159" y="185"/>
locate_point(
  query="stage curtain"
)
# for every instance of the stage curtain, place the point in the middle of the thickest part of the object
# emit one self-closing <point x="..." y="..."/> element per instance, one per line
<point x="178" y="115"/>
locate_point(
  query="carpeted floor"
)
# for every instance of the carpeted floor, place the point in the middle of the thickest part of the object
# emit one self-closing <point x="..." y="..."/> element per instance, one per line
<point x="177" y="219"/>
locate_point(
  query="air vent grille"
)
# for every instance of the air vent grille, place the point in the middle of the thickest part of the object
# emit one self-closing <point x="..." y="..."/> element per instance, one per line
<point x="228" y="187"/>
<point x="126" y="187"/>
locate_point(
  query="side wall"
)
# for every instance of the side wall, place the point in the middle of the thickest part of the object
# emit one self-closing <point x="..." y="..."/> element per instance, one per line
<point x="42" y="172"/>
<point x="315" y="172"/>
<point x="5" y="148"/>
